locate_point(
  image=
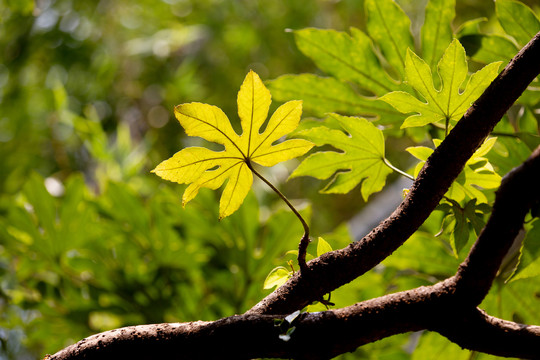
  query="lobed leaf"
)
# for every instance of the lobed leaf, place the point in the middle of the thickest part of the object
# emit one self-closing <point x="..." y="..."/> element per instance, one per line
<point x="478" y="172"/>
<point x="448" y="103"/>
<point x="201" y="167"/>
<point x="362" y="157"/>
<point x="464" y="220"/>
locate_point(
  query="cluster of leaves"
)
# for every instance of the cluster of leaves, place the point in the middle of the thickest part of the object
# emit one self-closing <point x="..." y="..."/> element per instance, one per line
<point x="366" y="71"/>
<point x="74" y="261"/>
<point x="185" y="273"/>
<point x="85" y="93"/>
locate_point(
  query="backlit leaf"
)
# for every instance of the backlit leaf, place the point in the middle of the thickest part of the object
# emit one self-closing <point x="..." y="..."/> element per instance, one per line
<point x="488" y="48"/>
<point x="437" y="29"/>
<point x="389" y="27"/>
<point x="478" y="172"/>
<point x="529" y="260"/>
<point x="201" y="167"/>
<point x="322" y="95"/>
<point x="323" y="246"/>
<point x="348" y="58"/>
<point x="518" y="20"/>
<point x="362" y="157"/>
<point x="448" y="103"/>
<point x="464" y="221"/>
<point x="277" y="277"/>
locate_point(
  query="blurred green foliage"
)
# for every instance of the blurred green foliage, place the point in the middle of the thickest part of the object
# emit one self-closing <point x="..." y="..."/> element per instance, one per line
<point x="90" y="240"/>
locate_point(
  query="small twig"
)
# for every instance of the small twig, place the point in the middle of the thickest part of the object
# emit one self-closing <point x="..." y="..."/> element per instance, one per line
<point x="513" y="135"/>
<point x="304" y="241"/>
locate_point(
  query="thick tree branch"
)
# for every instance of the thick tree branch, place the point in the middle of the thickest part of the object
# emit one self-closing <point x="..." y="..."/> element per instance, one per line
<point x="448" y="307"/>
<point x="253" y="336"/>
<point x="518" y="192"/>
<point x="339" y="267"/>
<point x="475" y="330"/>
<point x="320" y="335"/>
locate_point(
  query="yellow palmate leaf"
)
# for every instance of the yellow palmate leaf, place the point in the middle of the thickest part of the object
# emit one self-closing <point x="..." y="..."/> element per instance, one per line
<point x="201" y="167"/>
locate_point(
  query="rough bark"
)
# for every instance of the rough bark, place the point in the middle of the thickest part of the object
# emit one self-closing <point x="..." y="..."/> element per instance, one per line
<point x="448" y="307"/>
<point x="334" y="269"/>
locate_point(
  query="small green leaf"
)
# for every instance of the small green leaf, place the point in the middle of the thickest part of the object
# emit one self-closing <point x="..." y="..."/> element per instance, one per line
<point x="287" y="335"/>
<point x="448" y="103"/>
<point x="362" y="157"/>
<point x="322" y="247"/>
<point x="290" y="318"/>
<point x="474" y="216"/>
<point x="460" y="234"/>
<point x="518" y="20"/>
<point x="42" y="202"/>
<point x="277" y="277"/>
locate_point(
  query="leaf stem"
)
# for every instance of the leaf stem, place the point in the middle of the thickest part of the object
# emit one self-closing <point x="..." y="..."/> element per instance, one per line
<point x="304" y="241"/>
<point x="514" y="135"/>
<point x="401" y="172"/>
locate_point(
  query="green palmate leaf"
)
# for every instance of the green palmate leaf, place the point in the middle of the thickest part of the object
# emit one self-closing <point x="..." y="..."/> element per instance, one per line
<point x="434" y="259"/>
<point x="532" y="270"/>
<point x="201" y="167"/>
<point x="346" y="58"/>
<point x="464" y="221"/>
<point x="448" y="103"/>
<point x="478" y="172"/>
<point x="516" y="300"/>
<point x="434" y="346"/>
<point x="518" y="20"/>
<point x="390" y="28"/>
<point x="323" y="246"/>
<point x="460" y="231"/>
<point x="437" y="30"/>
<point x="362" y="157"/>
<point x="322" y="95"/>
